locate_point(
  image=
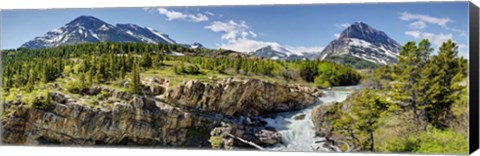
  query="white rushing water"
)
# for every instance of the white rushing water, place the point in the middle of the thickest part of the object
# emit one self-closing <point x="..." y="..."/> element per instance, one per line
<point x="299" y="135"/>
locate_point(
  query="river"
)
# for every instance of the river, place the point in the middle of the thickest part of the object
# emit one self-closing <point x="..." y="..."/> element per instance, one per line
<point x="299" y="135"/>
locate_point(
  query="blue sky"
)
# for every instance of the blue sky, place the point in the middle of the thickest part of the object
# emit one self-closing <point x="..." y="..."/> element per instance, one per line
<point x="246" y="28"/>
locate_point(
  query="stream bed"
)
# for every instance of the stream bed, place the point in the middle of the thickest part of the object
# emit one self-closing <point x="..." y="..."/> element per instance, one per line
<point x="297" y="128"/>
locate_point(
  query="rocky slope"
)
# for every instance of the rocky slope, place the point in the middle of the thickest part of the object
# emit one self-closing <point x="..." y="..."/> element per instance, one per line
<point x="183" y="116"/>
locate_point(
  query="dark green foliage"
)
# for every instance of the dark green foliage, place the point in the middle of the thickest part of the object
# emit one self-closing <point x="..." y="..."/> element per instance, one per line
<point x="425" y="110"/>
<point x="136" y="86"/>
<point x="187" y="69"/>
<point x="361" y="120"/>
<point x="425" y="84"/>
<point x="330" y="74"/>
<point x="43" y="102"/>
<point x="83" y="65"/>
<point x="433" y="141"/>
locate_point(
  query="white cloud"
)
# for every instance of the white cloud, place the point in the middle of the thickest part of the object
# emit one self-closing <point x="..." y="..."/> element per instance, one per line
<point x="342" y="26"/>
<point x="176" y="15"/>
<point x="414" y="33"/>
<point x="238" y="36"/>
<point x="436" y="39"/>
<point x="336" y="35"/>
<point x="418" y="25"/>
<point x="209" y="13"/>
<point x="253" y="34"/>
<point x="425" y="19"/>
<point x="461" y="32"/>
<point x="463" y="50"/>
<point x="249" y="45"/>
<point x="246" y="45"/>
<point x="420" y="21"/>
<point x="232" y="31"/>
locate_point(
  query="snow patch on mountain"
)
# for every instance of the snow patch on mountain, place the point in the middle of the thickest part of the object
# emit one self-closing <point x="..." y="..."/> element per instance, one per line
<point x="91" y="29"/>
<point x="277" y="52"/>
<point x="362" y="41"/>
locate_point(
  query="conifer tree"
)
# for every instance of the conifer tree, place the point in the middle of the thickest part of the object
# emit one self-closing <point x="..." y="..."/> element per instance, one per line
<point x="135" y="86"/>
<point x="447" y="72"/>
<point x="122" y="72"/>
<point x="367" y="109"/>
<point x="408" y="90"/>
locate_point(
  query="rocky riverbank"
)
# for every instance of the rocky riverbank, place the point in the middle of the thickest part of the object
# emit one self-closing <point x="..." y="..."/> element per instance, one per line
<point x="186" y="115"/>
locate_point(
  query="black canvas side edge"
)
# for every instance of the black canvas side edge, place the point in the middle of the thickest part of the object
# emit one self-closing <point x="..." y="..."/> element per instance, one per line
<point x="473" y="78"/>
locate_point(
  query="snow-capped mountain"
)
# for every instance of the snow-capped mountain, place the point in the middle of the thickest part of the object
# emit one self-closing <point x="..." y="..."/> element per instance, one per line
<point x="362" y="41"/>
<point x="194" y="45"/>
<point x="91" y="29"/>
<point x="276" y="52"/>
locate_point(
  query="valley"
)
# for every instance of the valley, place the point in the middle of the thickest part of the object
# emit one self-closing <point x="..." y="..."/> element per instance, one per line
<point x="91" y="83"/>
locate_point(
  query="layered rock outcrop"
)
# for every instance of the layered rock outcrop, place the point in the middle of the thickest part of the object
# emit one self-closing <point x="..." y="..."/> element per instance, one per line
<point x="136" y="123"/>
<point x="182" y="116"/>
<point x="235" y="97"/>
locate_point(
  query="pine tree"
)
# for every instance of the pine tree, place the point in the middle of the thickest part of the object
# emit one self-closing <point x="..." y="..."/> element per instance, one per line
<point x="408" y="90"/>
<point x="122" y="72"/>
<point x="367" y="109"/>
<point x="146" y="60"/>
<point x="446" y="73"/>
<point x="135" y="88"/>
<point x="31" y="80"/>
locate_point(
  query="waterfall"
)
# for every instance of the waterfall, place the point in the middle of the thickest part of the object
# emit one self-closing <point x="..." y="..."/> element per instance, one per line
<point x="299" y="135"/>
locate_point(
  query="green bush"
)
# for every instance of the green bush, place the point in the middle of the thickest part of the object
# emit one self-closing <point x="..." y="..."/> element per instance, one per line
<point x="216" y="141"/>
<point x="443" y="141"/>
<point x="187" y="69"/>
<point x="39" y="100"/>
<point x="431" y="142"/>
<point x="73" y="86"/>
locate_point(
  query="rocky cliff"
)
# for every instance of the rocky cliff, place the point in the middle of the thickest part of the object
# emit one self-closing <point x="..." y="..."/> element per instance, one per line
<point x="181" y="116"/>
<point x="233" y="97"/>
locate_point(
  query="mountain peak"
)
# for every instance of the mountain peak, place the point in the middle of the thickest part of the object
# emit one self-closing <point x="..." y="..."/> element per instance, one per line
<point x="91" y="29"/>
<point x="361" y="30"/>
<point x="86" y="21"/>
<point x="277" y="52"/>
<point x="275" y="48"/>
<point x="363" y="41"/>
<point x="359" y="23"/>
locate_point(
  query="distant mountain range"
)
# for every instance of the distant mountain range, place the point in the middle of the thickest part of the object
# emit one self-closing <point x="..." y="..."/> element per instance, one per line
<point x="276" y="52"/>
<point x="364" y="42"/>
<point x="91" y="29"/>
<point x="358" y="42"/>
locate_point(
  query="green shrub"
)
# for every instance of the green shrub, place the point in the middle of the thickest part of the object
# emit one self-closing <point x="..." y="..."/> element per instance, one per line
<point x="431" y="142"/>
<point x="39" y="100"/>
<point x="216" y="141"/>
<point x="73" y="86"/>
<point x="443" y="141"/>
<point x="187" y="69"/>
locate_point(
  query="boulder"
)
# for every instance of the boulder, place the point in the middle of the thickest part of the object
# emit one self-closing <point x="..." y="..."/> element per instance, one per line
<point x="58" y="97"/>
<point x="299" y="117"/>
<point x="94" y="90"/>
